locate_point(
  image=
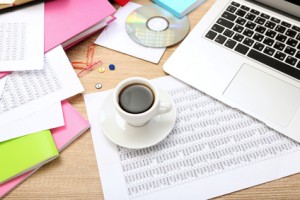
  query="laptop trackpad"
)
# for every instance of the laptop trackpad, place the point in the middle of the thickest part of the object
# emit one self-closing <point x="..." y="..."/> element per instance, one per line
<point x="264" y="95"/>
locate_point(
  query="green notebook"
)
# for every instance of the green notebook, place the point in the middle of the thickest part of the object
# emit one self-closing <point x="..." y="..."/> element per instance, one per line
<point x="20" y="155"/>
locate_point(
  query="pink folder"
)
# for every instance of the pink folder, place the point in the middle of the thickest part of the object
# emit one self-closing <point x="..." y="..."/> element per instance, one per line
<point x="64" y="19"/>
<point x="2" y="74"/>
<point x="74" y="126"/>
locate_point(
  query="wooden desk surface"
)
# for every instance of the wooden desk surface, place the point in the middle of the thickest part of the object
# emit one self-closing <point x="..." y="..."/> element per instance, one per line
<point x="74" y="175"/>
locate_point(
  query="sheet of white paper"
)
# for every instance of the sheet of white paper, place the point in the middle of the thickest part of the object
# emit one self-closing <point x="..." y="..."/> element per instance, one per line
<point x="46" y="118"/>
<point x="212" y="150"/>
<point x="22" y="39"/>
<point x="26" y="92"/>
<point x="115" y="37"/>
<point x="2" y="84"/>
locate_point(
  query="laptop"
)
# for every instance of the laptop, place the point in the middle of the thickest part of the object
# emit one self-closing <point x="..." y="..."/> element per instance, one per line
<point x="247" y="55"/>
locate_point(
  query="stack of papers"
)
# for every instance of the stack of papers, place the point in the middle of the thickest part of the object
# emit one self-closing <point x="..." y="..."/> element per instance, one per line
<point x="33" y="83"/>
<point x="30" y="105"/>
<point x="36" y="78"/>
<point x="30" y="96"/>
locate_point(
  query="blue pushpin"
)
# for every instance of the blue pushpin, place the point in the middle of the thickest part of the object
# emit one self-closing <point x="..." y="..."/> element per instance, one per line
<point x="112" y="67"/>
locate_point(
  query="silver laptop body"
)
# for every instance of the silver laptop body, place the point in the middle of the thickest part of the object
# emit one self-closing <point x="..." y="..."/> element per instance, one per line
<point x="248" y="73"/>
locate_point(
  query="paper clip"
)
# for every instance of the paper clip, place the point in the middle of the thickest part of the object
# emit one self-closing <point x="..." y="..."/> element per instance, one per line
<point x="88" y="65"/>
<point x="88" y="68"/>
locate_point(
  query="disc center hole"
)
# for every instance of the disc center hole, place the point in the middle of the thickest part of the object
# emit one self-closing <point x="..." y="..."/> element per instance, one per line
<point x="157" y="24"/>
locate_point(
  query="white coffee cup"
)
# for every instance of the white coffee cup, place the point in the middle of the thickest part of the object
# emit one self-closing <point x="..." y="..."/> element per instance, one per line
<point x="137" y="101"/>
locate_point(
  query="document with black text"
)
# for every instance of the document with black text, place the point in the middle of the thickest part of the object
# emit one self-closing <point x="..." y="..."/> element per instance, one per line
<point x="212" y="150"/>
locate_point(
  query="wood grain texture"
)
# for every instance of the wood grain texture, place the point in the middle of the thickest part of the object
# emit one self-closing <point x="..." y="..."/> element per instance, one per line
<point x="74" y="175"/>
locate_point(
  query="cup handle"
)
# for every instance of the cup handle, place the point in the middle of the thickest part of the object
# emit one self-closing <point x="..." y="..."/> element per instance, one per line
<point x="164" y="107"/>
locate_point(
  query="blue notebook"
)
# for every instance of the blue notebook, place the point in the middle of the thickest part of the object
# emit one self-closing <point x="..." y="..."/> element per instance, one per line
<point x="179" y="8"/>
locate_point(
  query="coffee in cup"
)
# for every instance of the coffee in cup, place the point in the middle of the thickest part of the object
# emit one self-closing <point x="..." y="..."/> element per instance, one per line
<point x="137" y="100"/>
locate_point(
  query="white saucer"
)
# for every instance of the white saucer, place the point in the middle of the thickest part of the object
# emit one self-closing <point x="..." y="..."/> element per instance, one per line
<point x="121" y="133"/>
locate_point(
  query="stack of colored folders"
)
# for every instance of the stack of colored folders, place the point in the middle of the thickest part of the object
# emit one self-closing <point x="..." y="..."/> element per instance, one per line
<point x="27" y="153"/>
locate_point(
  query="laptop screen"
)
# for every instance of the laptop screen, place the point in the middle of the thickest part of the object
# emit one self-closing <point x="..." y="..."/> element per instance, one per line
<point x="289" y="6"/>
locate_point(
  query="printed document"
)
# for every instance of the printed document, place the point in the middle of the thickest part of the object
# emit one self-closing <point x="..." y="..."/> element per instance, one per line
<point x="211" y="151"/>
<point x="22" y="39"/>
<point x="26" y="92"/>
<point x="2" y="84"/>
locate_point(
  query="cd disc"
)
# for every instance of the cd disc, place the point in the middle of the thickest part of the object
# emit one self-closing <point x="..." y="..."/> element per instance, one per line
<point x="152" y="26"/>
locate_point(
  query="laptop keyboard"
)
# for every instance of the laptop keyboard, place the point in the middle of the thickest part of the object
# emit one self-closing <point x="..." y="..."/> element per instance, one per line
<point x="259" y="36"/>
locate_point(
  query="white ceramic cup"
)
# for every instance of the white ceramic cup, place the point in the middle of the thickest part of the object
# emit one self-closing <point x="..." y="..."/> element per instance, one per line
<point x="158" y="107"/>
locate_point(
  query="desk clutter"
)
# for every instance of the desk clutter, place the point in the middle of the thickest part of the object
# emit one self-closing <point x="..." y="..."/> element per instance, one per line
<point x="37" y="78"/>
<point x="75" y="125"/>
<point x="193" y="146"/>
